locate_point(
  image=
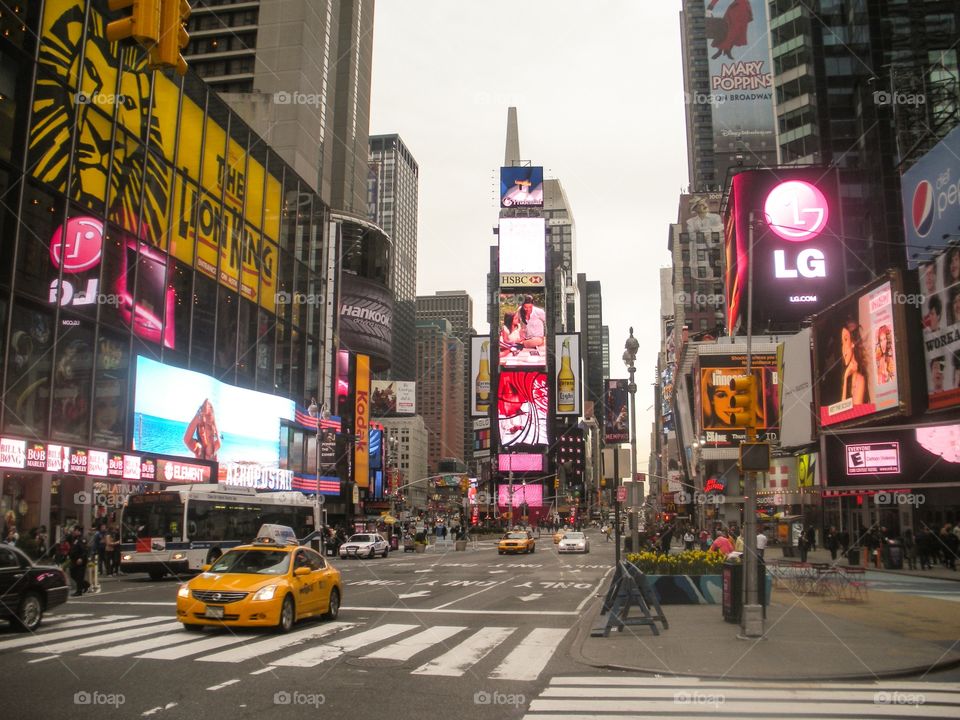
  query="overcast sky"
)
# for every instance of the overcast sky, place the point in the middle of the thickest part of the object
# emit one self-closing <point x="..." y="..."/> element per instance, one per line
<point x="598" y="89"/>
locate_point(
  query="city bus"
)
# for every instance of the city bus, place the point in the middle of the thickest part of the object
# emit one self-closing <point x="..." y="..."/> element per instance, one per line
<point x="181" y="528"/>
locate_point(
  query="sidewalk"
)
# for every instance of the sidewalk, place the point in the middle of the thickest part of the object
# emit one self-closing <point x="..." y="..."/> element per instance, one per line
<point x="807" y="638"/>
<point x="939" y="572"/>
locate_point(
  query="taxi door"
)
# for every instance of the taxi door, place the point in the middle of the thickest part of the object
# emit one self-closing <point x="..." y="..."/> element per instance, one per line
<point x="323" y="576"/>
<point x="305" y="585"/>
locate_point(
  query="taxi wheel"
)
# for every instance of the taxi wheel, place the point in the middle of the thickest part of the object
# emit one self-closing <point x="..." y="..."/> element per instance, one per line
<point x="288" y="615"/>
<point x="192" y="627"/>
<point x="333" y="608"/>
<point x="533" y="549"/>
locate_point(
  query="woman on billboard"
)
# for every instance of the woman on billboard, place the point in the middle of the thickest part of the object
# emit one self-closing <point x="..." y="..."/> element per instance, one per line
<point x="886" y="368"/>
<point x="202" y="437"/>
<point x="854" y="363"/>
<point x="511" y="334"/>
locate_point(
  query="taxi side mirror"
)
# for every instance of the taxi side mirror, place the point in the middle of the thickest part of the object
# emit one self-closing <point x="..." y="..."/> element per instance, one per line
<point x="205" y="568"/>
<point x="300" y="571"/>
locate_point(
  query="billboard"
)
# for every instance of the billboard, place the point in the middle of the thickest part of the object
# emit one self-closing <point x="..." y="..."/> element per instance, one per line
<point x="930" y="191"/>
<point x="741" y="79"/>
<point x="480" y="387"/>
<point x="521" y="187"/>
<point x="522" y="408"/>
<point x="522" y="245"/>
<point x="481" y="438"/>
<point x="519" y="462"/>
<point x="523" y="328"/>
<point x="798" y="246"/>
<point x="858" y="349"/>
<point x="187" y="414"/>
<point x="569" y="377"/>
<point x="940" y="285"/>
<point x="712" y="381"/>
<point x="894" y="457"/>
<point x="393" y="397"/>
<point x="796" y="390"/>
<point x="616" y="424"/>
<point x="218" y="211"/>
<point x="361" y="423"/>
<point x="366" y="319"/>
<point x="529" y="495"/>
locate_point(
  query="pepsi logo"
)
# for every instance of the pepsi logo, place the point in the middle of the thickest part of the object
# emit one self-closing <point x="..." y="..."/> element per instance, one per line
<point x="922" y="211"/>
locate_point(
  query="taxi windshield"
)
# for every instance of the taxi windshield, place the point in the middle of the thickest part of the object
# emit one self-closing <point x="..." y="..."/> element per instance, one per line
<point x="254" y="562"/>
<point x="516" y="536"/>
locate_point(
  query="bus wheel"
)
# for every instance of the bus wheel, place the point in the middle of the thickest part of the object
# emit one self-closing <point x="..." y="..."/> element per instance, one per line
<point x="156" y="574"/>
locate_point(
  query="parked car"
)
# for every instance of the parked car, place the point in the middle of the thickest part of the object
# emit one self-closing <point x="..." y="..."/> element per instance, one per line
<point x="517" y="542"/>
<point x="574" y="542"/>
<point x="366" y="545"/>
<point x="261" y="585"/>
<point x="28" y="590"/>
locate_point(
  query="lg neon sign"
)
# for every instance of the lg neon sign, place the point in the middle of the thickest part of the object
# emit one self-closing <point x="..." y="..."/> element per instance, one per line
<point x="797" y="212"/>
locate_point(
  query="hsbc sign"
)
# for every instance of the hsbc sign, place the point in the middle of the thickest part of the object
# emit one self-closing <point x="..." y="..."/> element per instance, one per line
<point x="930" y="191"/>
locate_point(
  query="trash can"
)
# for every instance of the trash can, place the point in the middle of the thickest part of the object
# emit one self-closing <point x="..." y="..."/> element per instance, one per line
<point x="894" y="559"/>
<point x="394" y="542"/>
<point x="854" y="557"/>
<point x="732" y="584"/>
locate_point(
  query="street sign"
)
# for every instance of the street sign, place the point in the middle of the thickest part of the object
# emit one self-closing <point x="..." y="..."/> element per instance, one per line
<point x="621" y="493"/>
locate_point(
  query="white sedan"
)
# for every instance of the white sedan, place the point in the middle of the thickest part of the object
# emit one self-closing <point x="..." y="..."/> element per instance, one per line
<point x="574" y="542"/>
<point x="365" y="545"/>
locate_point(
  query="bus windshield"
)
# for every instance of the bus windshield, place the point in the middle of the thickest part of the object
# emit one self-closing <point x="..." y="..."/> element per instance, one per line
<point x="148" y="516"/>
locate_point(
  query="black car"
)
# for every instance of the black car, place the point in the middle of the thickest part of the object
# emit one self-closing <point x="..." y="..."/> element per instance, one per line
<point x="28" y="590"/>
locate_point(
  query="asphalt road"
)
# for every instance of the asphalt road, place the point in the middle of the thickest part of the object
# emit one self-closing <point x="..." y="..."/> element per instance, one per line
<point x="466" y="634"/>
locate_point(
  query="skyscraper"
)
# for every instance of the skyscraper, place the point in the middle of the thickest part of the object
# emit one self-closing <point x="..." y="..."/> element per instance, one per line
<point x="440" y="389"/>
<point x="591" y="324"/>
<point x="392" y="204"/>
<point x="299" y="73"/>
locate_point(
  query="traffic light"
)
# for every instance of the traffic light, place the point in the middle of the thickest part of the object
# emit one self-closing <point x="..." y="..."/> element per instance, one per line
<point x="172" y="38"/>
<point x="464" y="484"/>
<point x="142" y="24"/>
<point x="556" y="483"/>
<point x="743" y="402"/>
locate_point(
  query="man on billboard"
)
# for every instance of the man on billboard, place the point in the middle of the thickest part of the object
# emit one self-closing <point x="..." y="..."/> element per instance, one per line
<point x="534" y="323"/>
<point x="703" y="221"/>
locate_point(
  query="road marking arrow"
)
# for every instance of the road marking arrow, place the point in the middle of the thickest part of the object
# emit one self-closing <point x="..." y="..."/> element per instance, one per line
<point x="531" y="596"/>
<point x="421" y="593"/>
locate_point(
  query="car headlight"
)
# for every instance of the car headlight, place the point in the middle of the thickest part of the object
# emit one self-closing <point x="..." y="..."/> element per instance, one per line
<point x="184" y="591"/>
<point x="128" y="556"/>
<point x="266" y="593"/>
<point x="179" y="556"/>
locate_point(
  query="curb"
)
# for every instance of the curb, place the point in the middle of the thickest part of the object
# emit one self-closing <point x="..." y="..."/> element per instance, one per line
<point x="576" y="653"/>
<point x="915" y="574"/>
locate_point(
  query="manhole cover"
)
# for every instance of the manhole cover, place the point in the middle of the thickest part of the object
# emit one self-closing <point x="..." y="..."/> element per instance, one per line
<point x="373" y="662"/>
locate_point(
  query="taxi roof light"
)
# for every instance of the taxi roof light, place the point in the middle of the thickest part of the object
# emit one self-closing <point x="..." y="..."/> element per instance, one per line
<point x="275" y="535"/>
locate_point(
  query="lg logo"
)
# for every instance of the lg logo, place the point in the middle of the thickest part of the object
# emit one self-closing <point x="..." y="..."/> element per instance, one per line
<point x="798" y="212"/>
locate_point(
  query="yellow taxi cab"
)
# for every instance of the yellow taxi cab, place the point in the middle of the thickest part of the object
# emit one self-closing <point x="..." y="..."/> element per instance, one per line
<point x="272" y="582"/>
<point x="516" y="542"/>
<point x="558" y="535"/>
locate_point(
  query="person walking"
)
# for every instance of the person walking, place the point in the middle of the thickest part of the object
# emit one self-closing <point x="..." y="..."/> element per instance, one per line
<point x="832" y="543"/>
<point x="910" y="548"/>
<point x="99" y="546"/>
<point x="109" y="546"/>
<point x="78" y="556"/>
<point x="704" y="539"/>
<point x="761" y="542"/>
<point x="688" y="539"/>
<point x="924" y="538"/>
<point x="803" y="545"/>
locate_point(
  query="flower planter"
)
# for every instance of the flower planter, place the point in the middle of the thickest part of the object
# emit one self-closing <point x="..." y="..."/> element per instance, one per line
<point x="692" y="589"/>
<point x="420" y="547"/>
<point x="460" y="546"/>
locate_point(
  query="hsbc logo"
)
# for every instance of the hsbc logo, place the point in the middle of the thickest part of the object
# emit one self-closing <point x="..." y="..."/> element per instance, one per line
<point x="798" y="212"/>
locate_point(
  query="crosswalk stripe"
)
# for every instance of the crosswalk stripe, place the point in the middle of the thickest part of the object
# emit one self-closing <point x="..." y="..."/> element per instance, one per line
<point x="410" y="646"/>
<point x="166" y="640"/>
<point x="179" y="652"/>
<point x="738" y="709"/>
<point x="783" y="693"/>
<point x="530" y="657"/>
<point x="91" y="629"/>
<point x="335" y="648"/>
<point x="281" y="642"/>
<point x="455" y="662"/>
<point x="87" y="619"/>
<point x="106" y="639"/>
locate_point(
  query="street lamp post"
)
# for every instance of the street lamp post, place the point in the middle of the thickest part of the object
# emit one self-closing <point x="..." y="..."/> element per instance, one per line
<point x="630" y="358"/>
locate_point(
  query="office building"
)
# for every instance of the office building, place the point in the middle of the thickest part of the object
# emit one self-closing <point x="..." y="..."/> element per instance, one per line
<point x="411" y="458"/>
<point x="591" y="339"/>
<point x="440" y="389"/>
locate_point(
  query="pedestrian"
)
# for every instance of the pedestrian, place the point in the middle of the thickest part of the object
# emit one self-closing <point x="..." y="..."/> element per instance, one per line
<point x="761" y="542"/>
<point x="109" y="545"/>
<point x="99" y="545"/>
<point x="803" y="545"/>
<point x="910" y="548"/>
<point x="606" y="531"/>
<point x="812" y="538"/>
<point x="832" y="542"/>
<point x="10" y="534"/>
<point x="722" y="544"/>
<point x="665" y="541"/>
<point x="923" y="548"/>
<point x="951" y="545"/>
<point x="688" y="539"/>
<point x="704" y="540"/>
<point x="78" y="561"/>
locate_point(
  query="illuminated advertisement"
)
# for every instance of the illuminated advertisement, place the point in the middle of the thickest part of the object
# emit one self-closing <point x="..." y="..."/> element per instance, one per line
<point x="343" y="379"/>
<point x="893" y="457"/>
<point x="858" y="355"/>
<point x="188" y="414"/>
<point x="521" y="187"/>
<point x="366" y="318"/>
<point x="713" y="385"/>
<point x="569" y="389"/>
<point x="218" y="211"/>
<point x="940" y="286"/>
<point x="520" y="462"/>
<point x="741" y="78"/>
<point x="393" y="397"/>
<point x="361" y="423"/>
<point x="798" y="246"/>
<point x="529" y="495"/>
<point x="616" y="423"/>
<point x="522" y="280"/>
<point x="522" y="408"/>
<point x="522" y="245"/>
<point x="930" y="192"/>
<point x="523" y="326"/>
<point x="480" y="377"/>
<point x="481" y="437"/>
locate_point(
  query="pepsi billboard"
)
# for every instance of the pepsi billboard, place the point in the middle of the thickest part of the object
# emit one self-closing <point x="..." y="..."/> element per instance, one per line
<point x="931" y="197"/>
<point x="798" y="246"/>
